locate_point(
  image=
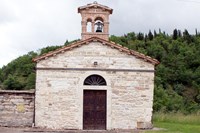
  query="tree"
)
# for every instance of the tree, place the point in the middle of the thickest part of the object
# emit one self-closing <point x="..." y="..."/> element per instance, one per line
<point x="179" y="33"/>
<point x="66" y="42"/>
<point x="155" y="33"/>
<point x="196" y="32"/>
<point x="175" y="34"/>
<point x="150" y="35"/>
<point x="31" y="81"/>
<point x="131" y="36"/>
<point x="160" y="32"/>
<point x="140" y="36"/>
<point x="187" y="37"/>
<point x="48" y="49"/>
<point x="11" y="83"/>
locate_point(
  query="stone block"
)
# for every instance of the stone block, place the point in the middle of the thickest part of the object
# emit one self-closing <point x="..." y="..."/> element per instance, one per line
<point x="144" y="125"/>
<point x="1" y="108"/>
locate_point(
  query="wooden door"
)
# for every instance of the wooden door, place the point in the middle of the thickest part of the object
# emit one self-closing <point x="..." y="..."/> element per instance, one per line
<point x="94" y="110"/>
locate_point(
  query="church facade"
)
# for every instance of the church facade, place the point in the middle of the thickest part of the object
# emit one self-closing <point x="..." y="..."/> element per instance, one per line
<point x="94" y="84"/>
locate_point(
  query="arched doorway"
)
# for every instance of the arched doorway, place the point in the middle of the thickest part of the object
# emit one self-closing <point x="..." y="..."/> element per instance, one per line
<point x="94" y="104"/>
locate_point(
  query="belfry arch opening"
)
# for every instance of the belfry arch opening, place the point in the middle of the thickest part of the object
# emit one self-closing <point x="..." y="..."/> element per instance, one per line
<point x="95" y="80"/>
<point x="89" y="25"/>
<point x="99" y="24"/>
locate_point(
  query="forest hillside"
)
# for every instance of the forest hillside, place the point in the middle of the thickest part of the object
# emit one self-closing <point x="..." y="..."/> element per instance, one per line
<point x="177" y="80"/>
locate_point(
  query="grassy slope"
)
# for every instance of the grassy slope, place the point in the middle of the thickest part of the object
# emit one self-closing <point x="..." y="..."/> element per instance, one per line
<point x="176" y="123"/>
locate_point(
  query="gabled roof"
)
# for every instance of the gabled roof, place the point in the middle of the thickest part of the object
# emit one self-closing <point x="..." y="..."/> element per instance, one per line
<point x="95" y="4"/>
<point x="104" y="42"/>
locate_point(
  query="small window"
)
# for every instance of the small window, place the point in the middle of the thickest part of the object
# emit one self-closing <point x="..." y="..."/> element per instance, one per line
<point x="95" y="80"/>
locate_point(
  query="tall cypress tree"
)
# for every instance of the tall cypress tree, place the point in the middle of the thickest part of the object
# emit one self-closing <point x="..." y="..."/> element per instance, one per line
<point x="140" y="36"/>
<point x="150" y="35"/>
<point x="175" y="34"/>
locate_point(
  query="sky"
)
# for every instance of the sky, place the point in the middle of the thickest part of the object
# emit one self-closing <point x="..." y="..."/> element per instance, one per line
<point x="29" y="25"/>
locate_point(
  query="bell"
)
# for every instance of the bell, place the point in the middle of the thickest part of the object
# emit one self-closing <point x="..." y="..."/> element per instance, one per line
<point x="99" y="26"/>
<point x="99" y="29"/>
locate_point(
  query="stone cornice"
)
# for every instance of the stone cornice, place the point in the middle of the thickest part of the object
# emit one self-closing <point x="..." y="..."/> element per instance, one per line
<point x="95" y="69"/>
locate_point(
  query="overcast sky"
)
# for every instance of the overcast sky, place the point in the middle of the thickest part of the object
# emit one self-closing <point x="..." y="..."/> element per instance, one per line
<point x="28" y="25"/>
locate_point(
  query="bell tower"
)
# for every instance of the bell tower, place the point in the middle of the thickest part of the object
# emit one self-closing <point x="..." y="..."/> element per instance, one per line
<point x="95" y="20"/>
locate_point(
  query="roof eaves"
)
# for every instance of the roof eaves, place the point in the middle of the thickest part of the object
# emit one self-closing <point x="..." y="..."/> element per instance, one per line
<point x="97" y="39"/>
<point x="95" y="5"/>
<point x="132" y="52"/>
<point x="57" y="51"/>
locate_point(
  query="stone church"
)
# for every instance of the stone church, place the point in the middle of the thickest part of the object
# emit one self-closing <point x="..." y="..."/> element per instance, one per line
<point x="94" y="84"/>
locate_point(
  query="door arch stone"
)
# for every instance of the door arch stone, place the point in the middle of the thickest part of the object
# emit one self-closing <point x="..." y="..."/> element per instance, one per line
<point x="81" y="87"/>
<point x="95" y="80"/>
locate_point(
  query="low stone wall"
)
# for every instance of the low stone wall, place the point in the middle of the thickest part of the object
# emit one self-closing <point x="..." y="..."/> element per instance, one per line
<point x="16" y="108"/>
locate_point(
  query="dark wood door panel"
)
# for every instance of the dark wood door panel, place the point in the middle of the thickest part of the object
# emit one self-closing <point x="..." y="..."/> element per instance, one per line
<point x="94" y="109"/>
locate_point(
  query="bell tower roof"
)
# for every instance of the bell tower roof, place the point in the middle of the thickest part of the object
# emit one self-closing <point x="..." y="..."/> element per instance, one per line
<point x="95" y="5"/>
<point x="95" y="20"/>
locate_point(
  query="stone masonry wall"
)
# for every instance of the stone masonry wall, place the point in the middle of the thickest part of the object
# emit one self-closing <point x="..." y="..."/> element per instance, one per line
<point x="57" y="100"/>
<point x="132" y="99"/>
<point x="16" y="108"/>
<point x="59" y="92"/>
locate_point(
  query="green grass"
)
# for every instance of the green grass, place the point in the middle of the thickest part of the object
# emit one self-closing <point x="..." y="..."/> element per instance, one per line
<point x="176" y="123"/>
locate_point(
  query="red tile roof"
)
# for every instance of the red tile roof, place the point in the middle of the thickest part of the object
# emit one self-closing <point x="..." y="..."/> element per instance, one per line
<point x="97" y="39"/>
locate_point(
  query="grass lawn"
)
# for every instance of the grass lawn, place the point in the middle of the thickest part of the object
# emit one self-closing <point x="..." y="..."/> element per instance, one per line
<point x="176" y="123"/>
